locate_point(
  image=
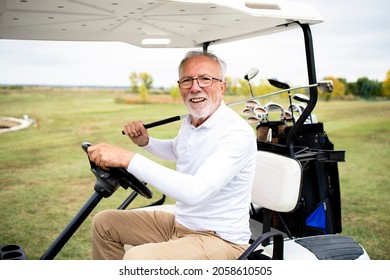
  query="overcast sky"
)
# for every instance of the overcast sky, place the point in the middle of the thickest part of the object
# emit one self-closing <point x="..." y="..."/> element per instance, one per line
<point x="352" y="42"/>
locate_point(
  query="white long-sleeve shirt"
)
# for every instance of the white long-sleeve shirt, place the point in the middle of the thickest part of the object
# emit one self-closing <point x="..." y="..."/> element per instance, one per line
<point x="215" y="165"/>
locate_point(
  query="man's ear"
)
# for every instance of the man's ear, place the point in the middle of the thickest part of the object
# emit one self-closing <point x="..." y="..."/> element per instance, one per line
<point x="223" y="87"/>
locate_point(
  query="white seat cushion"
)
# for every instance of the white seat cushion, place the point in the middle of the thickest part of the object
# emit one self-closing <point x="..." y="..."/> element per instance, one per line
<point x="277" y="182"/>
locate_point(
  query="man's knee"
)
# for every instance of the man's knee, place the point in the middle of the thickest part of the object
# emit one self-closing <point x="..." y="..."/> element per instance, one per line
<point x="100" y="220"/>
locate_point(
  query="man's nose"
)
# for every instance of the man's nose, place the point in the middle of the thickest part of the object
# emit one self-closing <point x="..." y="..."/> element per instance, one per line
<point x="195" y="86"/>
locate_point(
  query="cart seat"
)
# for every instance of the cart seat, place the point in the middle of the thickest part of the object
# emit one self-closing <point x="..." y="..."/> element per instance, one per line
<point x="320" y="247"/>
<point x="277" y="187"/>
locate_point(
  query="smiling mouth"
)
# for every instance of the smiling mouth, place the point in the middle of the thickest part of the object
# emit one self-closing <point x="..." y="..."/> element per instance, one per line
<point x="197" y="99"/>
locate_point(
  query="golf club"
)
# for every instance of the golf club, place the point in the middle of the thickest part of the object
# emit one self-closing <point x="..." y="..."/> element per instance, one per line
<point x="278" y="84"/>
<point x="302" y="107"/>
<point x="251" y="107"/>
<point x="254" y="119"/>
<point x="327" y="85"/>
<point x="303" y="99"/>
<point x="252" y="103"/>
<point x="258" y="110"/>
<point x="256" y="114"/>
<point x="295" y="108"/>
<point x="289" y="116"/>
<point x="249" y="76"/>
<point x="274" y="107"/>
<point x="247" y="111"/>
<point x="281" y="85"/>
<point x="261" y="114"/>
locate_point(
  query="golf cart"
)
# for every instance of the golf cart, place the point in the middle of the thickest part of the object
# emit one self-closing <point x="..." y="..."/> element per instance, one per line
<point x="296" y="208"/>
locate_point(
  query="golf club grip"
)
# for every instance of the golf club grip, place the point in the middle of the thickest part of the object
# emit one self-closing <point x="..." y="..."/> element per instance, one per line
<point x="160" y="122"/>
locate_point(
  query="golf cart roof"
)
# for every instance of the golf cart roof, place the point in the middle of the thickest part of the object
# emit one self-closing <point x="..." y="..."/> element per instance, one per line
<point x="150" y="23"/>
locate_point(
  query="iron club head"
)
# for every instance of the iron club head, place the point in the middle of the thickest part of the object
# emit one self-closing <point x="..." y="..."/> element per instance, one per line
<point x="326" y="86"/>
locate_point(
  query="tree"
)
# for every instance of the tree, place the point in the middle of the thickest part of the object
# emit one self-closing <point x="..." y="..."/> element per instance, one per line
<point x="386" y="85"/>
<point x="367" y="88"/>
<point x="243" y="88"/>
<point x="175" y="92"/>
<point x="231" y="85"/>
<point x="146" y="79"/>
<point x="143" y="91"/>
<point x="134" y="82"/>
<point x="141" y="83"/>
<point x="348" y="86"/>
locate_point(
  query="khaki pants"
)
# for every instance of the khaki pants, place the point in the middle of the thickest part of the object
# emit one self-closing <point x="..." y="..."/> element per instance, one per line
<point x="155" y="235"/>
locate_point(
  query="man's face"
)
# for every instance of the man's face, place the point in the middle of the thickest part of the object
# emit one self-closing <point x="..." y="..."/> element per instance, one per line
<point x="202" y="102"/>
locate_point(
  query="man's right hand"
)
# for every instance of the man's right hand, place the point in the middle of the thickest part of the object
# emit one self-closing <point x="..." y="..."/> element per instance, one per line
<point x="137" y="133"/>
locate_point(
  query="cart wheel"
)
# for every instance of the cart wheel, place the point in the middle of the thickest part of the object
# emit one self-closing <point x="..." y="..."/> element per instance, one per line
<point x="109" y="180"/>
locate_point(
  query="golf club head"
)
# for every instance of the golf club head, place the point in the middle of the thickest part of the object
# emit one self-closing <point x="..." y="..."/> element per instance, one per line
<point x="326" y="86"/>
<point x="313" y="118"/>
<point x="252" y="103"/>
<point x="253" y="119"/>
<point x="301" y="98"/>
<point x="278" y="84"/>
<point x="258" y="119"/>
<point x="259" y="111"/>
<point x="251" y="74"/>
<point x="295" y="108"/>
<point x="289" y="115"/>
<point x="247" y="111"/>
<point x="302" y="106"/>
<point x="273" y="107"/>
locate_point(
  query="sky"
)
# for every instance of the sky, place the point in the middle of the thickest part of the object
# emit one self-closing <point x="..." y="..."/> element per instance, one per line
<point x="352" y="42"/>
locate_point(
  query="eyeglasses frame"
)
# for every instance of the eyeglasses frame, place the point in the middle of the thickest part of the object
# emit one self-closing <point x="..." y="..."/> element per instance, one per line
<point x="197" y="80"/>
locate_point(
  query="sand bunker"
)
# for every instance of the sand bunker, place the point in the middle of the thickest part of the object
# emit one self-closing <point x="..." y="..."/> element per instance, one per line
<point x="8" y="124"/>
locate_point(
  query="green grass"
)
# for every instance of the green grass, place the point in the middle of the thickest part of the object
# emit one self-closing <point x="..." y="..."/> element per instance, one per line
<point x="45" y="176"/>
<point x="362" y="130"/>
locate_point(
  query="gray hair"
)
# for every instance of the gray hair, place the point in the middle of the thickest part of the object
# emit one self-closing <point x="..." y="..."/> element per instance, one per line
<point x="213" y="57"/>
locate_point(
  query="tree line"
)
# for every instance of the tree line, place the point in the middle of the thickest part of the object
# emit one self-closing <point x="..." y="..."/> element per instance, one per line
<point x="363" y="88"/>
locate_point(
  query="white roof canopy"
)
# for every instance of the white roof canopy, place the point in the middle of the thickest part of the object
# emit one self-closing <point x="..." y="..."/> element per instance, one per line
<point x="149" y="23"/>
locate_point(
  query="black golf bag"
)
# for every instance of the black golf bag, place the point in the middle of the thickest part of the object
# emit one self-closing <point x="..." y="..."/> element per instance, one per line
<point x="319" y="208"/>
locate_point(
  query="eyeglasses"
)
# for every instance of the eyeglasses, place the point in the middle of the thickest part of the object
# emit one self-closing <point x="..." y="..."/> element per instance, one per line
<point x="203" y="81"/>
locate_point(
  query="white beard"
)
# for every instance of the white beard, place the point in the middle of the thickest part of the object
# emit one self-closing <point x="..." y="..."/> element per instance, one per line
<point x="204" y="110"/>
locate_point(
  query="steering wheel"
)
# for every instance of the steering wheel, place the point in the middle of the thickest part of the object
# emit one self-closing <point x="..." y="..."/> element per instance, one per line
<point x="108" y="181"/>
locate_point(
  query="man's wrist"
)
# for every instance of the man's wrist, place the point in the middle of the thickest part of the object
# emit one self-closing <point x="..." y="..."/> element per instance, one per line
<point x="144" y="145"/>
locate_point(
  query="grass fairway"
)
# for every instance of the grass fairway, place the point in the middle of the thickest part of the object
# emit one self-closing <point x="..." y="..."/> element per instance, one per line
<point x="362" y="129"/>
<point x="45" y="177"/>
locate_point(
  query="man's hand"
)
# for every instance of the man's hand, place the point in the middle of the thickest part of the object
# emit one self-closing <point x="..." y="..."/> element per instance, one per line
<point x="105" y="156"/>
<point x="137" y="133"/>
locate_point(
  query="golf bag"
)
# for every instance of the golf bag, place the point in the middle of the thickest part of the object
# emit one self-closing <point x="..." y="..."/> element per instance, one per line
<point x="319" y="207"/>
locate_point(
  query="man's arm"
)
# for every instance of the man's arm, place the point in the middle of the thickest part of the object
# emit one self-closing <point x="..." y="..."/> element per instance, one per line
<point x="217" y="170"/>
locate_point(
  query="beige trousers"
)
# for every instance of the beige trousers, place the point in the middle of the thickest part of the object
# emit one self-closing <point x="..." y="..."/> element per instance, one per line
<point x="155" y="235"/>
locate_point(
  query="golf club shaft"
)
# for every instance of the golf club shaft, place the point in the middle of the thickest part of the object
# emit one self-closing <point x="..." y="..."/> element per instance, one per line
<point x="177" y="118"/>
<point x="271" y="94"/>
<point x="162" y="122"/>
